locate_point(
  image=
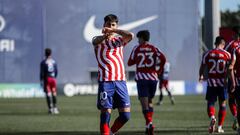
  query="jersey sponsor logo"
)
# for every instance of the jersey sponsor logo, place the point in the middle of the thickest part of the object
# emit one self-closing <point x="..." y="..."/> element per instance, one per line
<point x="127" y="104"/>
<point x="90" y="30"/>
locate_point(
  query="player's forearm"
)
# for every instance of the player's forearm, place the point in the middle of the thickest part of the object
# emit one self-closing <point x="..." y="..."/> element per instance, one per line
<point x="127" y="36"/>
<point x="231" y="71"/>
<point x="201" y="73"/>
<point x="98" y="39"/>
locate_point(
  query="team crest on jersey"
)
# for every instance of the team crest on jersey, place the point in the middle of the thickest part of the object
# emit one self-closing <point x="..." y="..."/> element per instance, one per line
<point x="116" y="43"/>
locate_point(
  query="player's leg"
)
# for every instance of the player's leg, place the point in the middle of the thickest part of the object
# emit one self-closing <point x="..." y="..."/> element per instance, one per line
<point x="105" y="117"/>
<point x="48" y="93"/>
<point x="104" y="103"/>
<point x="211" y="98"/>
<point x="152" y="90"/>
<point x="124" y="116"/>
<point x="237" y="97"/>
<point x="168" y="91"/>
<point x="232" y="105"/>
<point x="122" y="102"/>
<point x="233" y="108"/>
<point x="161" y="93"/>
<point x="221" y="115"/>
<point x="54" y="95"/>
<point x="145" y="109"/>
<point x="211" y="115"/>
<point x="143" y="95"/>
<point x="150" y="126"/>
<point x="222" y="97"/>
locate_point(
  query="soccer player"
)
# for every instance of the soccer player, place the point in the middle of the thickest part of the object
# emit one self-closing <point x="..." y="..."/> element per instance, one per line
<point x="48" y="74"/>
<point x="163" y="83"/>
<point x="149" y="63"/>
<point x="218" y="62"/>
<point x="112" y="90"/>
<point x="236" y="53"/>
<point x="231" y="100"/>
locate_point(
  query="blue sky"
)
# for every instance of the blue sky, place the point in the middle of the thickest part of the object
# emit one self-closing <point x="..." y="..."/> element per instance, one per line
<point x="232" y="5"/>
<point x="229" y="4"/>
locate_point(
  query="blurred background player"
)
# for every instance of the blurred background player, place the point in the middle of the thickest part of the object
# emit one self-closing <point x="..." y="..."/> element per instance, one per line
<point x="48" y="74"/>
<point x="231" y="98"/>
<point x="163" y="83"/>
<point x="146" y="57"/>
<point x="217" y="62"/>
<point x="112" y="90"/>
<point x="236" y="53"/>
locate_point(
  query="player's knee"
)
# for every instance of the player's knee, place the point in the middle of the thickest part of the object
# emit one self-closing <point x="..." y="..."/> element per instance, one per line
<point x="49" y="94"/>
<point x="124" y="116"/>
<point x="210" y="103"/>
<point x="54" y="93"/>
<point x="222" y="107"/>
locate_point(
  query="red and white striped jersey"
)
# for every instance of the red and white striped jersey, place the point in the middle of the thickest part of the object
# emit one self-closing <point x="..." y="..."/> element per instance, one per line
<point x="217" y="61"/>
<point x="109" y="55"/>
<point x="236" y="53"/>
<point x="149" y="61"/>
<point x="231" y="45"/>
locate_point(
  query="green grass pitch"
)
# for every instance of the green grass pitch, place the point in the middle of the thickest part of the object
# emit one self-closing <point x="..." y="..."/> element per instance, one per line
<point x="79" y="116"/>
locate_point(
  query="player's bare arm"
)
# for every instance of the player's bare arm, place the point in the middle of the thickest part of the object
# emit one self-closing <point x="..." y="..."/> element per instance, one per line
<point x="231" y="74"/>
<point x="201" y="78"/>
<point x="127" y="36"/>
<point x="98" y="39"/>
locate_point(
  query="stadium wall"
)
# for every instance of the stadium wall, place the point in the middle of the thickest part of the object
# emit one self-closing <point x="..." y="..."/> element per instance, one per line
<point x="27" y="27"/>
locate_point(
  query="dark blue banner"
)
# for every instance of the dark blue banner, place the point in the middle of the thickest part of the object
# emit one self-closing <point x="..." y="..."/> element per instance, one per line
<point x="67" y="26"/>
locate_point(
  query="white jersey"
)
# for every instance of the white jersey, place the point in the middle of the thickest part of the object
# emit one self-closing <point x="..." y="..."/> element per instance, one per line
<point x="166" y="71"/>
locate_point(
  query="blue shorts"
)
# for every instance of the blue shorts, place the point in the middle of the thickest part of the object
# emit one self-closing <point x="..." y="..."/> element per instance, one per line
<point x="146" y="88"/>
<point x="113" y="94"/>
<point x="214" y="92"/>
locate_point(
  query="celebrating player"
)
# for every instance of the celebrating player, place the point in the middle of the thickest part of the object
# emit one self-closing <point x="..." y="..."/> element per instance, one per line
<point x="231" y="100"/>
<point x="163" y="83"/>
<point x="48" y="74"/>
<point x="218" y="62"/>
<point x="112" y="91"/>
<point x="149" y="62"/>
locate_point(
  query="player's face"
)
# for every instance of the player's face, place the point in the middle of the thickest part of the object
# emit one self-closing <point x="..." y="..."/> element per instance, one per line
<point x="112" y="25"/>
<point x="140" y="41"/>
<point x="223" y="43"/>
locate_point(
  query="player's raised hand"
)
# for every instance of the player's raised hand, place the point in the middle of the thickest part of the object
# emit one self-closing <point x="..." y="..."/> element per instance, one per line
<point x="107" y="30"/>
